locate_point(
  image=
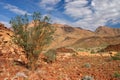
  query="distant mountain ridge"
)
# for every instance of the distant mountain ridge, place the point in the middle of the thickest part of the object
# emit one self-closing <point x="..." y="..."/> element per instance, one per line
<point x="78" y="37"/>
<point x="107" y="31"/>
<point x="68" y="36"/>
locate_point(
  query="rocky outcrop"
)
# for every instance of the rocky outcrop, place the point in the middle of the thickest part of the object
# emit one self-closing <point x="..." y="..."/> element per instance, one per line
<point x="64" y="53"/>
<point x="8" y="49"/>
<point x="109" y="48"/>
<point x="68" y="29"/>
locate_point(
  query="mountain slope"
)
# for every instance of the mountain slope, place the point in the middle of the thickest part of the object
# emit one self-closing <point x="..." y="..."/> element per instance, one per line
<point x="107" y="31"/>
<point x="75" y="37"/>
<point x="103" y="36"/>
<point x="96" y="41"/>
<point x="5" y="33"/>
<point x="66" y="35"/>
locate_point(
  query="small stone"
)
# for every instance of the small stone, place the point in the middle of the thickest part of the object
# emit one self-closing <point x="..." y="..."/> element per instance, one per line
<point x="11" y="49"/>
<point x="3" y="51"/>
<point x="87" y="78"/>
<point x="21" y="74"/>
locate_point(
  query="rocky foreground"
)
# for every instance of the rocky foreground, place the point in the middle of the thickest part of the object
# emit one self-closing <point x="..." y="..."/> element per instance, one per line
<point x="69" y="68"/>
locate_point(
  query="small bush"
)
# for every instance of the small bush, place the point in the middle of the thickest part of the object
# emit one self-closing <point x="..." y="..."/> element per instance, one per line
<point x="116" y="56"/>
<point x="87" y="65"/>
<point x="80" y="49"/>
<point x="87" y="78"/>
<point x="32" y="39"/>
<point x="92" y="52"/>
<point x="116" y="75"/>
<point x="50" y="56"/>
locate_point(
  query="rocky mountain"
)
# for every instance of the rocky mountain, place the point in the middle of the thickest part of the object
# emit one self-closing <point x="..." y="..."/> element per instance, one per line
<point x="96" y="41"/>
<point x="69" y="36"/>
<point x="107" y="31"/>
<point x="66" y="35"/>
<point x="103" y="36"/>
<point x="77" y="37"/>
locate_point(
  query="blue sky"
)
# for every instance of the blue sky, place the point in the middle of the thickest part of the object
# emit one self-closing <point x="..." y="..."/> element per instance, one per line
<point x="87" y="14"/>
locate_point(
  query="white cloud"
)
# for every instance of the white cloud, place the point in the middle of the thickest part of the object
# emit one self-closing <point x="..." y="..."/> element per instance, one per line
<point x="4" y="19"/>
<point x="48" y="4"/>
<point x="5" y="23"/>
<point x="52" y="2"/>
<point x="15" y="9"/>
<point x="68" y="0"/>
<point x="95" y="15"/>
<point x="59" y="20"/>
<point x="76" y="8"/>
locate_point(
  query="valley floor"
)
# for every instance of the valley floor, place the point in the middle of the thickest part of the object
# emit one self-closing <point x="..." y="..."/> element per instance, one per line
<point x="72" y="68"/>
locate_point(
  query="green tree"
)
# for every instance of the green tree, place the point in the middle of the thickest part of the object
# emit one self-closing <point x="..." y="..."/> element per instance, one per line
<point x="32" y="39"/>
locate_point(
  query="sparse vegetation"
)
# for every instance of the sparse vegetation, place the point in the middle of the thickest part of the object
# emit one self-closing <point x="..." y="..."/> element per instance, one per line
<point x="87" y="65"/>
<point x="32" y="39"/>
<point x="116" y="75"/>
<point x="50" y="55"/>
<point x="80" y="49"/>
<point x="92" y="52"/>
<point x="116" y="56"/>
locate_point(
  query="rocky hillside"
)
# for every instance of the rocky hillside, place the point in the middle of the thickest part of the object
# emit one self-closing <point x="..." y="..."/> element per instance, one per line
<point x="96" y="41"/>
<point x="5" y="34"/>
<point x="115" y="47"/>
<point x="66" y="35"/>
<point x="107" y="31"/>
<point x="102" y="36"/>
<point x="74" y="37"/>
<point x="8" y="49"/>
